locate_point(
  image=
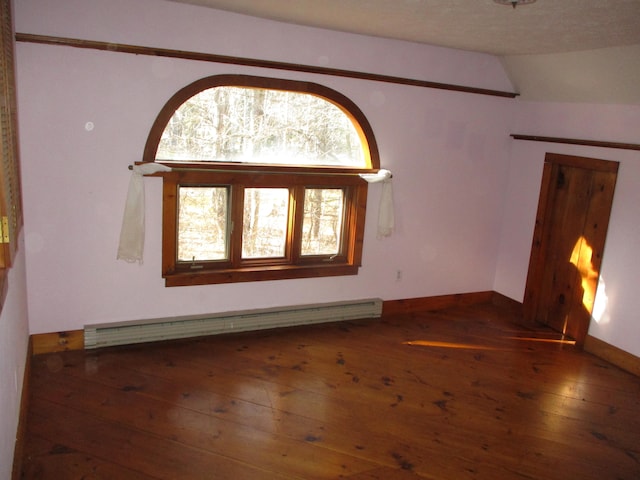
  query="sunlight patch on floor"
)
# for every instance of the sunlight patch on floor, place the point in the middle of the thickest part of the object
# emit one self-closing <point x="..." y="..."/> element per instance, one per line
<point x="469" y="346"/>
<point x="474" y="346"/>
<point x="545" y="340"/>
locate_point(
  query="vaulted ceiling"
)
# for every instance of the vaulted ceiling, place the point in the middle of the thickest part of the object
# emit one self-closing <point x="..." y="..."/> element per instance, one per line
<point x="553" y="50"/>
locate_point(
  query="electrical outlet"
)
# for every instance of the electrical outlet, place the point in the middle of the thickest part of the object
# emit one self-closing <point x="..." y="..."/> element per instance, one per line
<point x="398" y="275"/>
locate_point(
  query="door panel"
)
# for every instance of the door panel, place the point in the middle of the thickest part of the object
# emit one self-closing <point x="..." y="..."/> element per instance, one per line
<point x="571" y="226"/>
<point x="560" y="279"/>
<point x="588" y="250"/>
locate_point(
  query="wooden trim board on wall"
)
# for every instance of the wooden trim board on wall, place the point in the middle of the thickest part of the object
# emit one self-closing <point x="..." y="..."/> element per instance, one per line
<point x="440" y="302"/>
<point x="18" y="449"/>
<point x="251" y="62"/>
<point x="577" y="141"/>
<point x="621" y="359"/>
<point x="57" y="341"/>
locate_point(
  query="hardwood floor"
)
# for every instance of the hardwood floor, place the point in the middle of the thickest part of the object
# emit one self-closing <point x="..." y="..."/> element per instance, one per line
<point x="455" y="394"/>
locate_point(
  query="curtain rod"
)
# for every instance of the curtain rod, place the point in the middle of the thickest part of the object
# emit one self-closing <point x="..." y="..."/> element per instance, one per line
<point x="250" y="62"/>
<point x="263" y="172"/>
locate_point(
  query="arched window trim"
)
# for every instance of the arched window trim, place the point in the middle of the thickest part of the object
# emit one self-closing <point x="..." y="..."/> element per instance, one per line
<point x="241" y="176"/>
<point x="360" y="122"/>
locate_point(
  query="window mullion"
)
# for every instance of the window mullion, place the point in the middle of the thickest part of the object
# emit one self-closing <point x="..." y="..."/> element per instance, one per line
<point x="295" y="224"/>
<point x="349" y="220"/>
<point x="236" y="212"/>
<point x="355" y="206"/>
<point x="169" y="225"/>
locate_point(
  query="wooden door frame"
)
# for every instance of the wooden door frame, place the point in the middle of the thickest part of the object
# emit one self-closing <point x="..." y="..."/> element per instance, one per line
<point x="541" y="231"/>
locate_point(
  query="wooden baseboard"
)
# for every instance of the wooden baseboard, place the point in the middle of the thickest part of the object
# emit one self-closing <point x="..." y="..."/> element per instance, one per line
<point x="74" y="339"/>
<point x="57" y="341"/>
<point x="614" y="355"/>
<point x="502" y="301"/>
<point x="600" y="349"/>
<point x="18" y="450"/>
<point x="412" y="305"/>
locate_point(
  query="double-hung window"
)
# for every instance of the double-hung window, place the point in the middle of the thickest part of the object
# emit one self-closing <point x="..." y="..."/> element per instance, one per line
<point x="264" y="182"/>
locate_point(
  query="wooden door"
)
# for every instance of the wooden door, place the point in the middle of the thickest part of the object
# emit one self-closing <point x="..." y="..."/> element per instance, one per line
<point x="569" y="237"/>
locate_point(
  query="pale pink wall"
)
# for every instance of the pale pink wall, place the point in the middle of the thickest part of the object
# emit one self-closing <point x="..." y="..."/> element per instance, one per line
<point x="448" y="152"/>
<point x="618" y="325"/>
<point x="14" y="339"/>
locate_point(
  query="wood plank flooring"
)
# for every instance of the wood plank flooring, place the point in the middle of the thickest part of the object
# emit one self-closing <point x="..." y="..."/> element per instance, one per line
<point x="463" y="393"/>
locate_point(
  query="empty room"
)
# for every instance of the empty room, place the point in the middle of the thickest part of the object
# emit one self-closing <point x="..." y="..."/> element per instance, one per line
<point x="386" y="239"/>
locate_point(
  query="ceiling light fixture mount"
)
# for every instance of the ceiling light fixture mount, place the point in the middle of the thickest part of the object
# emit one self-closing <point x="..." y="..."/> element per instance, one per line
<point x="514" y="3"/>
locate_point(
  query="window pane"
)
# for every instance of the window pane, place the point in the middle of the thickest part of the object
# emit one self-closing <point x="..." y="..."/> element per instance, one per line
<point x="322" y="224"/>
<point x="202" y="223"/>
<point x="264" y="226"/>
<point x="261" y="126"/>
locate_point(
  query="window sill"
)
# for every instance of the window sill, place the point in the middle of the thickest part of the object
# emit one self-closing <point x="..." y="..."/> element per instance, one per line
<point x="284" y="272"/>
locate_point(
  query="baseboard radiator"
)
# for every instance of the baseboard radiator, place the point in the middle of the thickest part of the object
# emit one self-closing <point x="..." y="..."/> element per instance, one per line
<point x="159" y="329"/>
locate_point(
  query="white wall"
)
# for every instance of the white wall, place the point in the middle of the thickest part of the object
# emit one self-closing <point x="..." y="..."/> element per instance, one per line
<point x="448" y="152"/>
<point x="14" y="338"/>
<point x="618" y="324"/>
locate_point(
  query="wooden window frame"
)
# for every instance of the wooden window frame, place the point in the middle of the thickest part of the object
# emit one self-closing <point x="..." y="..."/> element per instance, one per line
<point x="239" y="176"/>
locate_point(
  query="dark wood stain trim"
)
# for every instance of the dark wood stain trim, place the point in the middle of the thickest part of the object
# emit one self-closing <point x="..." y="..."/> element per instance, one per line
<point x="21" y="434"/>
<point x="250" y="62"/>
<point x="575" y="141"/>
<point x="594" y="164"/>
<point x="621" y="359"/>
<point x="513" y="306"/>
<point x="440" y="302"/>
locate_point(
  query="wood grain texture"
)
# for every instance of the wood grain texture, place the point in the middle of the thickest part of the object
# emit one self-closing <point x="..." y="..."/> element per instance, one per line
<point x="439" y="302"/>
<point x="569" y="238"/>
<point x="578" y="141"/>
<point x="618" y="357"/>
<point x="57" y="341"/>
<point x="460" y="393"/>
<point x="18" y="452"/>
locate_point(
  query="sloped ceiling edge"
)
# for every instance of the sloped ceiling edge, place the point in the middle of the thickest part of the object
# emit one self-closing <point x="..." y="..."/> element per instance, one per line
<point x="603" y="76"/>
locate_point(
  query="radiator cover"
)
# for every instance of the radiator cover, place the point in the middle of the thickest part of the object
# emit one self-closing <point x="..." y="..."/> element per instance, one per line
<point x="158" y="329"/>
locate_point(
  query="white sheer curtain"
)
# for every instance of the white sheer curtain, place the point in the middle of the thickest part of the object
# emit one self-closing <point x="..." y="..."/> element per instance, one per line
<point x="131" y="245"/>
<point x="385" y="210"/>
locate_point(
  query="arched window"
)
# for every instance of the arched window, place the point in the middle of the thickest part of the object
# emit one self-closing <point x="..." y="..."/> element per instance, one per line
<point x="264" y="182"/>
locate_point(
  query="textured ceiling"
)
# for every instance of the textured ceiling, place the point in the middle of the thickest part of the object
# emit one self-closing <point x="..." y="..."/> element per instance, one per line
<point x="552" y="50"/>
<point x="546" y="26"/>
